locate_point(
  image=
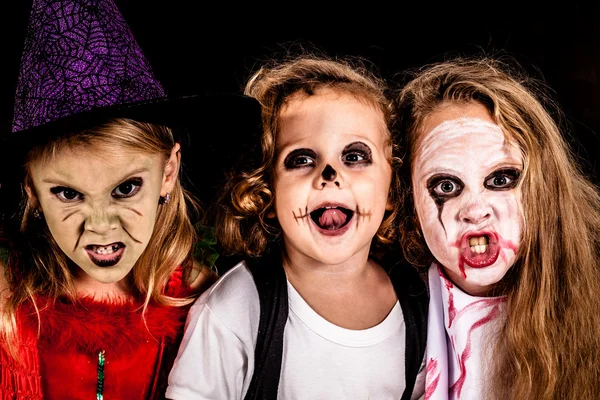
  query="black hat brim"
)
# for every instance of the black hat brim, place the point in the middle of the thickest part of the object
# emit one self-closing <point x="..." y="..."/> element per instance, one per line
<point x="230" y="112"/>
<point x="214" y="130"/>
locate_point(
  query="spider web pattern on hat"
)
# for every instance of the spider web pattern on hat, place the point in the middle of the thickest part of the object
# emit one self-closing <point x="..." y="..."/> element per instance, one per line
<point x="79" y="55"/>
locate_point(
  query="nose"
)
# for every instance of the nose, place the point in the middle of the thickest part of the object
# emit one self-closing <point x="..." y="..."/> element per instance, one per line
<point x="101" y="221"/>
<point x="475" y="212"/>
<point x="329" y="176"/>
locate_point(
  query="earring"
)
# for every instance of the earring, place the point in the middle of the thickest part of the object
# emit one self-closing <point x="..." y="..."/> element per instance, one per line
<point x="37" y="214"/>
<point x="165" y="199"/>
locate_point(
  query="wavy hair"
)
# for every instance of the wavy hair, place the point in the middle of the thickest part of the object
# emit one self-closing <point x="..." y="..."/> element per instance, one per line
<point x="548" y="347"/>
<point x="243" y="225"/>
<point x="36" y="264"/>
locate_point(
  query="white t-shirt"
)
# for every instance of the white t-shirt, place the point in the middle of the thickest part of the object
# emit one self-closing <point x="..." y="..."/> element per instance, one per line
<point x="320" y="360"/>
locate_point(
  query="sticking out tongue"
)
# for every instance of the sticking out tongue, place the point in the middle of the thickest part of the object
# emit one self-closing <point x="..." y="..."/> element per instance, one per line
<point x="332" y="219"/>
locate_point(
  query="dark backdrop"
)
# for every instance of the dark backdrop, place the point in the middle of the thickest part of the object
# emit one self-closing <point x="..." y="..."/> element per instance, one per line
<point x="214" y="48"/>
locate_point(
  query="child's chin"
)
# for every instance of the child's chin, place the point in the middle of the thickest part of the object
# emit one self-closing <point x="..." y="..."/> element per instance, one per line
<point x="112" y="277"/>
<point x="482" y="280"/>
<point x="107" y="274"/>
<point x="335" y="259"/>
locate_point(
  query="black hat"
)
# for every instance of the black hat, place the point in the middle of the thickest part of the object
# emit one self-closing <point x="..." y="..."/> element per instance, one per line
<point x="82" y="66"/>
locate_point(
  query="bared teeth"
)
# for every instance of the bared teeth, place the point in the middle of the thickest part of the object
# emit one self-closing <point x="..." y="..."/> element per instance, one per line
<point x="479" y="249"/>
<point x="105" y="249"/>
<point x="479" y="244"/>
<point x="478" y="240"/>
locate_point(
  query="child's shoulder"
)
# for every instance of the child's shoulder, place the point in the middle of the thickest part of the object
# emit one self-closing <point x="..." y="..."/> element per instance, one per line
<point x="236" y="284"/>
<point x="232" y="299"/>
<point x="231" y="303"/>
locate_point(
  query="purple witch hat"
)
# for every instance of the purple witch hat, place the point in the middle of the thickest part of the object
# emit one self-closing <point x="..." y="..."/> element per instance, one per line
<point x="82" y="66"/>
<point x="79" y="55"/>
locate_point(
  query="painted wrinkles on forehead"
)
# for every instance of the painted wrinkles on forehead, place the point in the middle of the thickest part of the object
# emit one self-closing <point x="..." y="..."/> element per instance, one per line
<point x="111" y="174"/>
<point x="443" y="133"/>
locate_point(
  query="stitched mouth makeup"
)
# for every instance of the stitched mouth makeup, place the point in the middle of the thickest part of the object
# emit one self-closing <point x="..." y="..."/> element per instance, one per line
<point x="105" y="255"/>
<point x="479" y="249"/>
<point x="332" y="219"/>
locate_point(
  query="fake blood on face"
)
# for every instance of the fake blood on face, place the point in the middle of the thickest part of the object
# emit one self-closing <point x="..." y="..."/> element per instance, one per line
<point x="476" y="258"/>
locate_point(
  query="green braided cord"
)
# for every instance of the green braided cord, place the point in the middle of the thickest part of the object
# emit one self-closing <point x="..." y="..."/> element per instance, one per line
<point x="100" y="386"/>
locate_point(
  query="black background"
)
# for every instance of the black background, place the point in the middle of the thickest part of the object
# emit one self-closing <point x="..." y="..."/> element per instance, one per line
<point x="201" y="46"/>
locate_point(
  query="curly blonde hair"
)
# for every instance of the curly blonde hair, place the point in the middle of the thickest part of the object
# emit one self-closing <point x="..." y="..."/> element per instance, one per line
<point x="243" y="226"/>
<point x="549" y="347"/>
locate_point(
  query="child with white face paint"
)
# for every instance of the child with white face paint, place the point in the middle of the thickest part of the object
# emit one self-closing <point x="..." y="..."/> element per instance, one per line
<point x="467" y="199"/>
<point x="507" y="226"/>
<point x="321" y="213"/>
<point x="100" y="270"/>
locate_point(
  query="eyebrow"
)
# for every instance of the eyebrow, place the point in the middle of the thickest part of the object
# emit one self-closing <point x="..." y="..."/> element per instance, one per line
<point x="358" y="143"/>
<point x="451" y="171"/>
<point x="128" y="175"/>
<point x="293" y="153"/>
<point x="438" y="171"/>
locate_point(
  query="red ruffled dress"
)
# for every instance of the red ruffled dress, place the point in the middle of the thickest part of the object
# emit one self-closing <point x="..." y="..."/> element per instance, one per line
<point x="95" y="349"/>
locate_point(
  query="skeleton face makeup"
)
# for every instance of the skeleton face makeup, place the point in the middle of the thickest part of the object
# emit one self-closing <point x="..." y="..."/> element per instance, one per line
<point x="465" y="180"/>
<point x="332" y="176"/>
<point x="100" y="206"/>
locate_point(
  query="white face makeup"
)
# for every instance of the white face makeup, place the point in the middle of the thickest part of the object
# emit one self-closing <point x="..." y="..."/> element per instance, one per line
<point x="465" y="179"/>
<point x="100" y="206"/>
<point x="332" y="176"/>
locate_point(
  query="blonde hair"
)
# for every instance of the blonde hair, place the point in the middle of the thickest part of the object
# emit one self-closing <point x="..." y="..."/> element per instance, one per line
<point x="39" y="266"/>
<point x="549" y="347"/>
<point x="243" y="226"/>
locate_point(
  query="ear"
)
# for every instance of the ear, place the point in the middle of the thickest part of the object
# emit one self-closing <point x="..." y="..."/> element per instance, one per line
<point x="31" y="196"/>
<point x="171" y="170"/>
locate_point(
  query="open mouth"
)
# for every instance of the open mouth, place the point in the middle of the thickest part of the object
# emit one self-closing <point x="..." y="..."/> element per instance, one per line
<point x="105" y="255"/>
<point x="480" y="249"/>
<point x="332" y="219"/>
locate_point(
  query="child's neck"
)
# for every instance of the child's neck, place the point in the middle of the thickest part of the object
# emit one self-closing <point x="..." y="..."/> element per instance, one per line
<point x="87" y="286"/>
<point x="355" y="294"/>
<point x="300" y="267"/>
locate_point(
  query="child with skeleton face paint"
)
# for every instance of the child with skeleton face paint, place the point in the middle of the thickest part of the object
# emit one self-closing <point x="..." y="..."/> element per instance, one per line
<point x="313" y="212"/>
<point x="508" y="227"/>
<point x="100" y="270"/>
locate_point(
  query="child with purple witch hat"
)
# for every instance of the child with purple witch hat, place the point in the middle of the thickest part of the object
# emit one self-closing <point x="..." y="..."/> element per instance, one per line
<point x="100" y="269"/>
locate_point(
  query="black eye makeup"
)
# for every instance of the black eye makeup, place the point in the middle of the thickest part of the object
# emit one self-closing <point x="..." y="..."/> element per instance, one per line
<point x="443" y="187"/>
<point x="66" y="194"/>
<point x="357" y="153"/>
<point x="128" y="188"/>
<point x="502" y="179"/>
<point x="300" y="158"/>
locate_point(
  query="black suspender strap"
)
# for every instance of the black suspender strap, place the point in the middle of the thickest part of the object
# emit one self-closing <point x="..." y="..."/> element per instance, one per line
<point x="414" y="300"/>
<point x="271" y="284"/>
